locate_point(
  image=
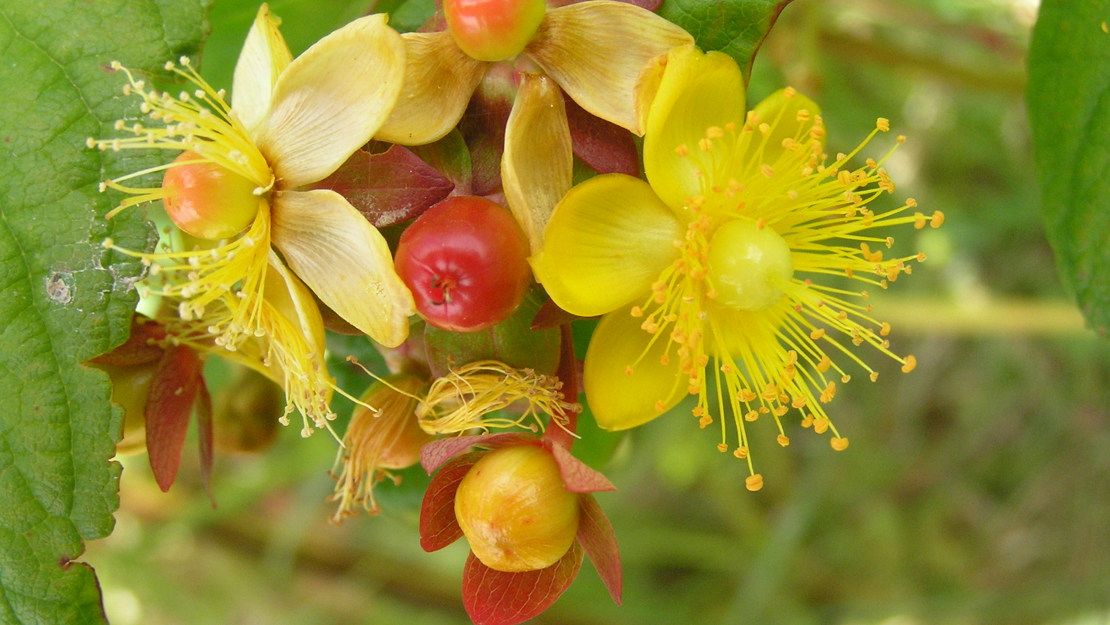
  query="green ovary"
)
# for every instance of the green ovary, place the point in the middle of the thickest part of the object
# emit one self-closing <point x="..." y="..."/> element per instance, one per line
<point x="749" y="265"/>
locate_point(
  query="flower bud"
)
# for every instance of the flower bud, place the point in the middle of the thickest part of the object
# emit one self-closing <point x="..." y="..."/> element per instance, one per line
<point x="514" y="510"/>
<point x="206" y="200"/>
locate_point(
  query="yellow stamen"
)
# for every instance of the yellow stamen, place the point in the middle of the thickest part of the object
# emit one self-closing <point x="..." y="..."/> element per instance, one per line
<point x="465" y="398"/>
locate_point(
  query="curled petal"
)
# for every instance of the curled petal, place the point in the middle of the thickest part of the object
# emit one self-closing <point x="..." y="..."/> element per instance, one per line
<point x="331" y="100"/>
<point x="607" y="241"/>
<point x="537" y="163"/>
<point x="264" y="57"/>
<point x="344" y="260"/>
<point x="290" y="297"/>
<point x="597" y="50"/>
<point x="698" y="91"/>
<point x="439" y="80"/>
<point x="626" y="381"/>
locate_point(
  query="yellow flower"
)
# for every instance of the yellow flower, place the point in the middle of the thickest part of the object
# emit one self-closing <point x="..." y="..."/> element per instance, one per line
<point x="291" y="123"/>
<point x="724" y="265"/>
<point x="594" y="50"/>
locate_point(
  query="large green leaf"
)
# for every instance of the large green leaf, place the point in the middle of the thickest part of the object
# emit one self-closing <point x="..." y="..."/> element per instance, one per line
<point x="65" y="298"/>
<point x="735" y="27"/>
<point x="1069" y="111"/>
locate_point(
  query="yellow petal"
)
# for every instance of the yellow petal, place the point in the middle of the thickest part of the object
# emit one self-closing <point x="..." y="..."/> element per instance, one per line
<point x="781" y="111"/>
<point x="626" y="384"/>
<point x="331" y="100"/>
<point x="697" y="91"/>
<point x="607" y="241"/>
<point x="536" y="167"/>
<point x="344" y="260"/>
<point x="596" y="50"/>
<point x="264" y="57"/>
<point x="290" y="297"/>
<point x="439" y="80"/>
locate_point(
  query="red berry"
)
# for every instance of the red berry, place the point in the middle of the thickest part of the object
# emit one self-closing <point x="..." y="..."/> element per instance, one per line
<point x="493" y="30"/>
<point x="466" y="262"/>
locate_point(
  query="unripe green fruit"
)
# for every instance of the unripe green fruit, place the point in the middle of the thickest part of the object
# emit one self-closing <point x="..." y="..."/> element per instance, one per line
<point x="514" y="510"/>
<point x="246" y="412"/>
<point x="493" y="30"/>
<point x="749" y="265"/>
<point x="130" y="389"/>
<point x="206" y="200"/>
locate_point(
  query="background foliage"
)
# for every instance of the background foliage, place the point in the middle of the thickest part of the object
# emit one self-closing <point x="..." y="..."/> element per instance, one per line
<point x="974" y="490"/>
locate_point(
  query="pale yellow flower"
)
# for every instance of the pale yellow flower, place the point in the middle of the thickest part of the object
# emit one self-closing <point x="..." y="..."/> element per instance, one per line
<point x="291" y="123"/>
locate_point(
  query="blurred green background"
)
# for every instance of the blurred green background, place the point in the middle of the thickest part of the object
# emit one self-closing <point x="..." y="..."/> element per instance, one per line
<point x="976" y="490"/>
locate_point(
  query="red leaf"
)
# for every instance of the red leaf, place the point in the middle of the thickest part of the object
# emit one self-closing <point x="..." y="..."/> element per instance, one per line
<point x="604" y="146"/>
<point x="551" y="316"/>
<point x="438" y="526"/>
<point x="140" y="348"/>
<point x="204" y="438"/>
<point x="498" y="598"/>
<point x="596" y="535"/>
<point x="451" y="157"/>
<point x="172" y="392"/>
<point x="390" y="187"/>
<point x="577" y="476"/>
<point x="437" y="452"/>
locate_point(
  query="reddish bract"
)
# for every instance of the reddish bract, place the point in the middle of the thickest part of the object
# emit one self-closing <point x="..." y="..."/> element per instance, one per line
<point x="465" y="261"/>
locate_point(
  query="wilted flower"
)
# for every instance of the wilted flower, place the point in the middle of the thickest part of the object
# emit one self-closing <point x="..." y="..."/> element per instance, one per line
<point x="721" y="266"/>
<point x="465" y="398"/>
<point x="383" y="435"/>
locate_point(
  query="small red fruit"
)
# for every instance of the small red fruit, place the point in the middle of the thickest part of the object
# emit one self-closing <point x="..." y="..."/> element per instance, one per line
<point x="466" y="262"/>
<point x="493" y="30"/>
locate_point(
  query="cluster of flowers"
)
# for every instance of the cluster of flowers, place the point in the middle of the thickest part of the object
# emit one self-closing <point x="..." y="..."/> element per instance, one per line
<point x="722" y="274"/>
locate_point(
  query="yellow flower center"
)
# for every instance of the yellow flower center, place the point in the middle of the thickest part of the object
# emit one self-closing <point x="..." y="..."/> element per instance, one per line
<point x="749" y="264"/>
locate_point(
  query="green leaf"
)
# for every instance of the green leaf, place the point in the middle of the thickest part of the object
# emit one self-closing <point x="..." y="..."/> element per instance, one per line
<point x="1069" y="111"/>
<point x="735" y="27"/>
<point x="66" y="299"/>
